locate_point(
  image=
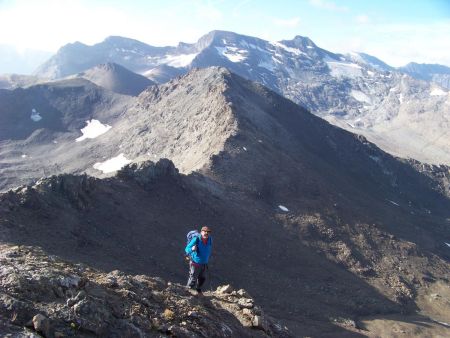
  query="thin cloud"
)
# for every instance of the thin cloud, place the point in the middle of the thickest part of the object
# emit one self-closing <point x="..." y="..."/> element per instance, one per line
<point x="328" y="5"/>
<point x="399" y="44"/>
<point x="207" y="10"/>
<point x="362" y="19"/>
<point x="237" y="10"/>
<point x="289" y="23"/>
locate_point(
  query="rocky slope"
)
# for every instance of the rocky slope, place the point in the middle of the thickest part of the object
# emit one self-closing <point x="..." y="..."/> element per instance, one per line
<point x="12" y="81"/>
<point x="39" y="127"/>
<point x="335" y="228"/>
<point x="44" y="296"/>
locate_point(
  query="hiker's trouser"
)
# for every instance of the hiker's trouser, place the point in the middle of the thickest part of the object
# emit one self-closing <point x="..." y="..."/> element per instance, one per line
<point x="197" y="275"/>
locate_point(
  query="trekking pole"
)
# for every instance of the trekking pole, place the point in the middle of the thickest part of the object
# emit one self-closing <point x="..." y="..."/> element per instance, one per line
<point x="209" y="278"/>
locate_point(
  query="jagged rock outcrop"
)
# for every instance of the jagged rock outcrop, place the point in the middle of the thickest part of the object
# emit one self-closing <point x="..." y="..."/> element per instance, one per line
<point x="147" y="172"/>
<point x="48" y="297"/>
<point x="439" y="173"/>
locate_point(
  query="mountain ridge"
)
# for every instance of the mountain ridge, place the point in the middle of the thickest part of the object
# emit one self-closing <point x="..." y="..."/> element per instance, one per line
<point x="363" y="234"/>
<point x="356" y="92"/>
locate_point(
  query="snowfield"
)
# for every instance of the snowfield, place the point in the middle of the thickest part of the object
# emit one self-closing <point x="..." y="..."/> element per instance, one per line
<point x="93" y="129"/>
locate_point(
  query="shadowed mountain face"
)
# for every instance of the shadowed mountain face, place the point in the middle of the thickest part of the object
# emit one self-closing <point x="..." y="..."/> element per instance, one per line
<point x="117" y="79"/>
<point x="39" y="127"/>
<point x="319" y="225"/>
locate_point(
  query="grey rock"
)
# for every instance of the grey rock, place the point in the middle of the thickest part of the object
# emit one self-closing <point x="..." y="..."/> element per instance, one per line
<point x="245" y="303"/>
<point x="225" y="289"/>
<point x="42" y="325"/>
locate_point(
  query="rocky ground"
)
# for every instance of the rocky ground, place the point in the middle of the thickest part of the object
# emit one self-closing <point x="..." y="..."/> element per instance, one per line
<point x="44" y="296"/>
<point x="322" y="274"/>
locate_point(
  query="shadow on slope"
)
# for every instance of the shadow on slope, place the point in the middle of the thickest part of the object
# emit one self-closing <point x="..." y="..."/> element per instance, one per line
<point x="136" y="223"/>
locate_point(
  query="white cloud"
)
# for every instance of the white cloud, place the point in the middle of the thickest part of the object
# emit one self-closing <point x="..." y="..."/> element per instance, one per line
<point x="290" y="23"/>
<point x="398" y="44"/>
<point x="362" y="19"/>
<point x="328" y="5"/>
<point x="240" y="7"/>
<point x="50" y="24"/>
<point x="424" y="43"/>
<point x="206" y="10"/>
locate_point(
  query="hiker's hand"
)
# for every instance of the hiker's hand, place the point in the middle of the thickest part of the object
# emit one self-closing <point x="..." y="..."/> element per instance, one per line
<point x="194" y="248"/>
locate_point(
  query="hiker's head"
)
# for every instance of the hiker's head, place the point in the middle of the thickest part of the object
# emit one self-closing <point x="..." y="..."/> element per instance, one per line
<point x="205" y="231"/>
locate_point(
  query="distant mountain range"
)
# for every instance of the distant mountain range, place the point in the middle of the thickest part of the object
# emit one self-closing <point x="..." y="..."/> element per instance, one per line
<point x="401" y="110"/>
<point x="13" y="61"/>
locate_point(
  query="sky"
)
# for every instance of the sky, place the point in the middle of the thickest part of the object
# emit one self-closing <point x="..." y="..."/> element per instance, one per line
<point x="395" y="31"/>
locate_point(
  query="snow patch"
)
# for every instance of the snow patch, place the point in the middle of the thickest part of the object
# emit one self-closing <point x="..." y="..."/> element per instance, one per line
<point x="282" y="207"/>
<point x="268" y="65"/>
<point x="276" y="60"/>
<point x="247" y="45"/>
<point x="93" y="129"/>
<point x="360" y="96"/>
<point x="178" y="61"/>
<point x="232" y="53"/>
<point x="35" y="115"/>
<point x="24" y="156"/>
<point x="113" y="164"/>
<point x="448" y="244"/>
<point x="393" y="203"/>
<point x="400" y="98"/>
<point x="437" y="92"/>
<point x="295" y="51"/>
<point x="344" y="69"/>
<point x="244" y="148"/>
<point x="309" y="47"/>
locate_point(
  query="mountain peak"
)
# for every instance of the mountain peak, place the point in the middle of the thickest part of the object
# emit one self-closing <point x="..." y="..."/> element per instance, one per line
<point x="117" y="78"/>
<point x="120" y="39"/>
<point x="73" y="47"/>
<point x="219" y="37"/>
<point x="301" y="41"/>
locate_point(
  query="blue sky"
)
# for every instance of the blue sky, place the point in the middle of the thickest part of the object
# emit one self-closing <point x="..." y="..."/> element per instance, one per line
<point x="396" y="31"/>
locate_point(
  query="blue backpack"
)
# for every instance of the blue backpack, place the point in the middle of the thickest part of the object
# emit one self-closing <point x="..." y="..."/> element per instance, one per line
<point x="190" y="235"/>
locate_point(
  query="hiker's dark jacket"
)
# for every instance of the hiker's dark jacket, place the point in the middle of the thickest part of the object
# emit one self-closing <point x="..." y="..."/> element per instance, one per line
<point x="201" y="256"/>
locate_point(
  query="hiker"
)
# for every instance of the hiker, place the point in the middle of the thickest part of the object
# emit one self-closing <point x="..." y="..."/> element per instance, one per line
<point x="199" y="250"/>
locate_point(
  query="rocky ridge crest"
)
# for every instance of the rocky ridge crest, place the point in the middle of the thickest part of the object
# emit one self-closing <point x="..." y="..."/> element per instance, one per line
<point x="42" y="295"/>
